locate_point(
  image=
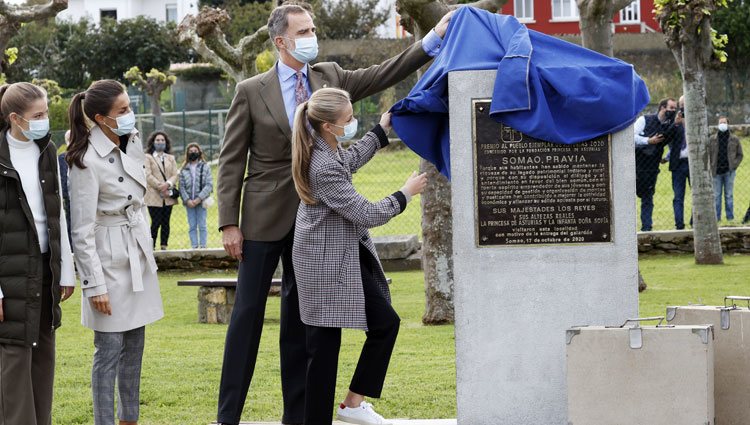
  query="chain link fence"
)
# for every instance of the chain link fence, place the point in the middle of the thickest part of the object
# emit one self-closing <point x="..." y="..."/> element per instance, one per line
<point x="664" y="200"/>
<point x="385" y="173"/>
<point x="663" y="187"/>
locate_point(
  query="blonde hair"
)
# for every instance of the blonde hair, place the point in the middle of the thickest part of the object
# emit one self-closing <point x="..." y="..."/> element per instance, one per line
<point x="325" y="105"/>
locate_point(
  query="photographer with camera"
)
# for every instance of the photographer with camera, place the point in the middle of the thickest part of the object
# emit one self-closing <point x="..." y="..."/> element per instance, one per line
<point x="652" y="133"/>
<point x="162" y="193"/>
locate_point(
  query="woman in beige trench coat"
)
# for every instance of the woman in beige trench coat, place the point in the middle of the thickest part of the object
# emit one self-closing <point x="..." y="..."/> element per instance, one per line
<point x="112" y="244"/>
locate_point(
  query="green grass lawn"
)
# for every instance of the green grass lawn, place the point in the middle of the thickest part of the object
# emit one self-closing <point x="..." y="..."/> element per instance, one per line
<point x="183" y="358"/>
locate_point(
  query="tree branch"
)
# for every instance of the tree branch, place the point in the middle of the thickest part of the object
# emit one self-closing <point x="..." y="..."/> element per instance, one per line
<point x="489" y="5"/>
<point x="255" y="41"/>
<point x="620" y="4"/>
<point x="32" y="13"/>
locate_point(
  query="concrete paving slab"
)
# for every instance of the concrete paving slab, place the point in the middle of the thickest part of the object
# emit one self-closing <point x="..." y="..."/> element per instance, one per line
<point x="395" y="422"/>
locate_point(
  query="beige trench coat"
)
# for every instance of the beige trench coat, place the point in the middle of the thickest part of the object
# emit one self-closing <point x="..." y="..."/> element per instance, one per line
<point x="154" y="178"/>
<point x="111" y="239"/>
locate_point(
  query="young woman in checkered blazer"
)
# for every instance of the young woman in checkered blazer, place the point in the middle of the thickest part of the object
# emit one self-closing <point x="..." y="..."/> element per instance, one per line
<point x="340" y="281"/>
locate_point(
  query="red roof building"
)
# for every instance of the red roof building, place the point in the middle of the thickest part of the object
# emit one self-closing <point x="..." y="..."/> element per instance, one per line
<point x="558" y="17"/>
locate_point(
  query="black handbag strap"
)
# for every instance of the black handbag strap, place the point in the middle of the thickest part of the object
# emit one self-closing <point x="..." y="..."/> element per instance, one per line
<point x="160" y="170"/>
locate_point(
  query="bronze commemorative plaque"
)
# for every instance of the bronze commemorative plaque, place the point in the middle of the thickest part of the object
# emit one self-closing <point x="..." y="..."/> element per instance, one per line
<point x="533" y="192"/>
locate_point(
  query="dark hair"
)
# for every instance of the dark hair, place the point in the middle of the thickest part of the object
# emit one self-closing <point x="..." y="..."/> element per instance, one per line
<point x="152" y="137"/>
<point x="187" y="152"/>
<point x="278" y="21"/>
<point x="15" y="98"/>
<point x="664" y="102"/>
<point x="96" y="100"/>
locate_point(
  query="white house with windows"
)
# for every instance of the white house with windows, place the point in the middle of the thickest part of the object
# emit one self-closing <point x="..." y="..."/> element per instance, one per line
<point x="160" y="10"/>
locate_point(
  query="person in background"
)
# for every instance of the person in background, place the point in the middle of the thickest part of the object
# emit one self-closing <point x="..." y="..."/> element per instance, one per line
<point x="36" y="264"/>
<point x="679" y="165"/>
<point x="652" y="133"/>
<point x="113" y="251"/>
<point x="63" y="167"/>
<point x="725" y="153"/>
<point x="162" y="193"/>
<point x="196" y="185"/>
<point x="339" y="277"/>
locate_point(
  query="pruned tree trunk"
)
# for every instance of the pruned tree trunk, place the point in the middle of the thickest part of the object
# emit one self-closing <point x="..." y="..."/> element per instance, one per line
<point x="705" y="227"/>
<point x="12" y="16"/>
<point x="418" y="16"/>
<point x="596" y="35"/>
<point x="596" y="23"/>
<point x="156" y="111"/>
<point x="437" y="247"/>
<point x="204" y="34"/>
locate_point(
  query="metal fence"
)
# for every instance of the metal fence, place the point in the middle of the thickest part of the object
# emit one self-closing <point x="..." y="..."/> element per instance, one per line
<point x="384" y="175"/>
<point x="661" y="177"/>
<point x="664" y="200"/>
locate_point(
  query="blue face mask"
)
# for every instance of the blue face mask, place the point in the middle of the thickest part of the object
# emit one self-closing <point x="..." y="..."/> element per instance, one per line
<point x="349" y="131"/>
<point x="125" y="124"/>
<point x="306" y="49"/>
<point x="37" y="128"/>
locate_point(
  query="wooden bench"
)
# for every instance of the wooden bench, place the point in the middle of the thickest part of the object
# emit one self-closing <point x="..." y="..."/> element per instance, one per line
<point x="216" y="297"/>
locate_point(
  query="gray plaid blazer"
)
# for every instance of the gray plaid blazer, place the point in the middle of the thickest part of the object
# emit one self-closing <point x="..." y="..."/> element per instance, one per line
<point x="327" y="236"/>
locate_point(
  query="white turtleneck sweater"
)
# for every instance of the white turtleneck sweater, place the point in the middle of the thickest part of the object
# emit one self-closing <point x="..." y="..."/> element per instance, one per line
<point x="24" y="157"/>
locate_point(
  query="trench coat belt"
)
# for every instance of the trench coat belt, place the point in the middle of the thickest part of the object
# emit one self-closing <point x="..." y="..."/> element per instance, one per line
<point x="136" y="240"/>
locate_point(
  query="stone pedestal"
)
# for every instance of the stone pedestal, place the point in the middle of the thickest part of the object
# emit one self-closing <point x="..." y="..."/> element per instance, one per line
<point x="215" y="304"/>
<point x="514" y="300"/>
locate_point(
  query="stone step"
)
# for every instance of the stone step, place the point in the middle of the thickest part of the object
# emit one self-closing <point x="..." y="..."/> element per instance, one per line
<point x="395" y="422"/>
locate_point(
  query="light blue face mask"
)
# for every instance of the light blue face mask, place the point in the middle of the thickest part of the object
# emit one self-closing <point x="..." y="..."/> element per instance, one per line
<point x="125" y="124"/>
<point x="306" y="49"/>
<point x="349" y="131"/>
<point x="37" y="128"/>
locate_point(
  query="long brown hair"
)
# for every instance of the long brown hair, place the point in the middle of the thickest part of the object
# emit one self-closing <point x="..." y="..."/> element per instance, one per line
<point x="150" y="143"/>
<point x="187" y="152"/>
<point x="325" y="105"/>
<point x="96" y="100"/>
<point x="15" y="98"/>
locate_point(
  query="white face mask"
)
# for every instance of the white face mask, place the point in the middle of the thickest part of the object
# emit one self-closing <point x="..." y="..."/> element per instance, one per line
<point x="723" y="126"/>
<point x="350" y="130"/>
<point x="305" y="50"/>
<point x="37" y="128"/>
<point x="125" y="124"/>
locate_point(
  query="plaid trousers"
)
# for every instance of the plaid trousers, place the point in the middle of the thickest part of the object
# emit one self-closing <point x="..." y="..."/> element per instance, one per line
<point x="117" y="357"/>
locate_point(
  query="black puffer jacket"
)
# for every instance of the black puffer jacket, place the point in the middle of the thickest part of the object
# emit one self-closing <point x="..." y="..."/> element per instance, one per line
<point x="21" y="265"/>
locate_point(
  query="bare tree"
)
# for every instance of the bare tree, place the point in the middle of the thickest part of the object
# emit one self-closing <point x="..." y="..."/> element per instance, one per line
<point x="205" y="35"/>
<point x="596" y="23"/>
<point x="13" y="16"/>
<point x="153" y="83"/>
<point x="596" y="34"/>
<point x="688" y="33"/>
<point x="418" y="16"/>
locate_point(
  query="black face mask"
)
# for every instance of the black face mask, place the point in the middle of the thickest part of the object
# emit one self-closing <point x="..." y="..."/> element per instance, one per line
<point x="192" y="156"/>
<point x="669" y="115"/>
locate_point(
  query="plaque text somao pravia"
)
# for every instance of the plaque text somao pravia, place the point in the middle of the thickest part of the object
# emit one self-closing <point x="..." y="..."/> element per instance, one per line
<point x="533" y="192"/>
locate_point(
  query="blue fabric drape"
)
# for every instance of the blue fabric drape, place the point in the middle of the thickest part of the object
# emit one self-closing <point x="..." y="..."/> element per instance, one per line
<point x="545" y="87"/>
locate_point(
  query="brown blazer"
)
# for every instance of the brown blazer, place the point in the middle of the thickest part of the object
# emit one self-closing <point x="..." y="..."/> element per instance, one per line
<point x="258" y="138"/>
<point x="154" y="178"/>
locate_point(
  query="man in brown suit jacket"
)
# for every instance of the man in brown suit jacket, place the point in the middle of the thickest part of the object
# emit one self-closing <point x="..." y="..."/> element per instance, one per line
<point x="258" y="139"/>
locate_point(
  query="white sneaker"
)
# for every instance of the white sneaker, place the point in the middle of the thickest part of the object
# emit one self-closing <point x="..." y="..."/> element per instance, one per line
<point x="362" y="415"/>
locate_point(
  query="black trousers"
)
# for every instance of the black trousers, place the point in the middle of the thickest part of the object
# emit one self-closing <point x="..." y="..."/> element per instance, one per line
<point x="259" y="261"/>
<point x="160" y="217"/>
<point x="323" y="345"/>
